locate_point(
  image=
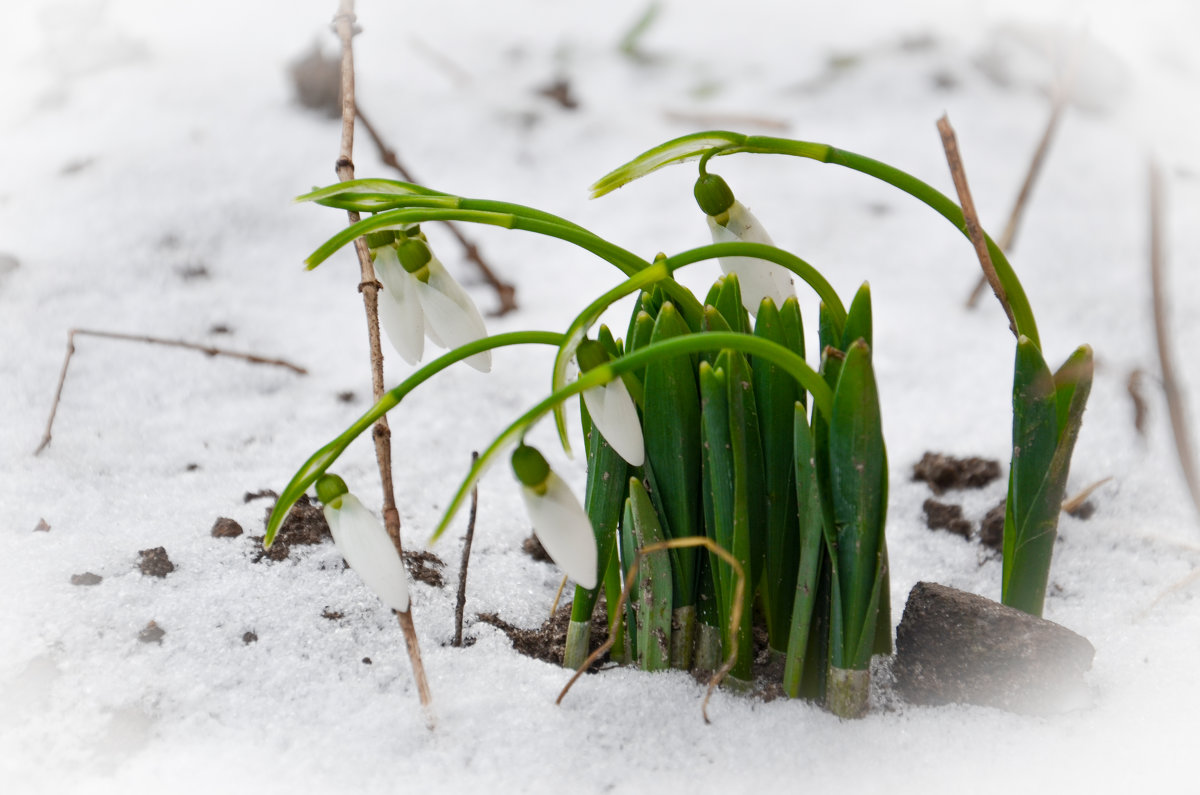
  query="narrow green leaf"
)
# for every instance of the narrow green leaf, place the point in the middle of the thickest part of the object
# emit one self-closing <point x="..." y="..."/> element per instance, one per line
<point x="810" y="541"/>
<point x="729" y="304"/>
<point x="858" y="319"/>
<point x="653" y="583"/>
<point x="675" y="151"/>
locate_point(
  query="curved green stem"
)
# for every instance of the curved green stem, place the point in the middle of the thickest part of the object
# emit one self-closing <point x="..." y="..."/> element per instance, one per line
<point x="321" y="460"/>
<point x="690" y="343"/>
<point x="720" y="142"/>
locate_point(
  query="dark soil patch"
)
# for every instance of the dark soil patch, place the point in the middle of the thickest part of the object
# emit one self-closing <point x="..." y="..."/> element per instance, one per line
<point x="87" y="578"/>
<point x="152" y="633"/>
<point x="534" y="549"/>
<point x="425" y="567"/>
<point x="155" y="563"/>
<point x="940" y="516"/>
<point x="943" y="472"/>
<point x="305" y="525"/>
<point x="332" y="615"/>
<point x="226" y="528"/>
<point x="549" y="642"/>
<point x="249" y="637"/>
<point x="1084" y="511"/>
<point x="991" y="529"/>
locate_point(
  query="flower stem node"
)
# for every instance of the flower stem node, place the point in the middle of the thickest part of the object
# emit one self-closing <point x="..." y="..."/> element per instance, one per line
<point x="558" y="519"/>
<point x="421" y="299"/>
<point x="611" y="407"/>
<point x="364" y="543"/>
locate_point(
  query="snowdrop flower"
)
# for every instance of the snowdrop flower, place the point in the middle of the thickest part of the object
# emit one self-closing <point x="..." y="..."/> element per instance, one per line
<point x="611" y="408"/>
<point x="729" y="221"/>
<point x="559" y="521"/>
<point x="364" y="543"/>
<point x="421" y="299"/>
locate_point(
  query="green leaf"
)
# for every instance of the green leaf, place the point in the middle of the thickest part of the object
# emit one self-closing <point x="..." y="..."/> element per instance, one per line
<point x="729" y="304"/>
<point x="676" y="151"/>
<point x="653" y="582"/>
<point x="858" y="478"/>
<point x="801" y="644"/>
<point x="671" y="427"/>
<point x="858" y="319"/>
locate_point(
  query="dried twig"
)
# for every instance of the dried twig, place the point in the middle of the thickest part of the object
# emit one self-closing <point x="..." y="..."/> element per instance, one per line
<point x="504" y="291"/>
<point x="1009" y="236"/>
<point x="1072" y="505"/>
<point x="461" y="604"/>
<point x="112" y="335"/>
<point x="1170" y="384"/>
<point x="343" y="25"/>
<point x="971" y="217"/>
<point x="1133" y="385"/>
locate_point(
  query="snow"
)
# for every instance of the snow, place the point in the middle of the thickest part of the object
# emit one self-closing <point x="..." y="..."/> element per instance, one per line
<point x="150" y="153"/>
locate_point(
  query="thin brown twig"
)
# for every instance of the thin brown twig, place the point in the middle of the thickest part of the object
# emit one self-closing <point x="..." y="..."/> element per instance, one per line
<point x="1170" y="384"/>
<point x="1075" y="503"/>
<point x="461" y="604"/>
<point x="735" y="614"/>
<point x="345" y="28"/>
<point x="971" y="217"/>
<point x="1009" y="236"/>
<point x="210" y="350"/>
<point x="505" y="292"/>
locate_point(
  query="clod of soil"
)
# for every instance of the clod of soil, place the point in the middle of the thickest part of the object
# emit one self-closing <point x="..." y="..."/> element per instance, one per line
<point x="152" y="633"/>
<point x="305" y="525"/>
<point x="534" y="549"/>
<point x="943" y="472"/>
<point x="87" y="578"/>
<point x="1085" y="510"/>
<point x="425" y="567"/>
<point x="42" y="526"/>
<point x="956" y="647"/>
<point x="154" y="562"/>
<point x="226" y="528"/>
<point x="940" y="516"/>
<point x="549" y="642"/>
<point x="316" y="79"/>
<point x="332" y="615"/>
<point x="991" y="529"/>
<point x="249" y="637"/>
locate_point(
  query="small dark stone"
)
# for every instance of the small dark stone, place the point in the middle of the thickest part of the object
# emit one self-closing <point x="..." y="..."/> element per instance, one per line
<point x="956" y="647"/>
<point x="220" y="328"/>
<point x="366" y="661"/>
<point x="991" y="529"/>
<point x="534" y="549"/>
<point x="943" y="472"/>
<point x="152" y="633"/>
<point x="346" y="397"/>
<point x="155" y="563"/>
<point x="192" y="467"/>
<point x="1084" y="510"/>
<point x="42" y="526"/>
<point x="87" y="578"/>
<point x="226" y="528"/>
<point x="940" y="516"/>
<point x="560" y="91"/>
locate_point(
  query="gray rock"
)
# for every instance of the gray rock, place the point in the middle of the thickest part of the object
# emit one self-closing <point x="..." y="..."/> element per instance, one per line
<point x="956" y="647"/>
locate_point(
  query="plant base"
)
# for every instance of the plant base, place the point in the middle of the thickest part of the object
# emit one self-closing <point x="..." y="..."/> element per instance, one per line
<point x="707" y="655"/>
<point x="847" y="692"/>
<point x="683" y="636"/>
<point x="579" y="638"/>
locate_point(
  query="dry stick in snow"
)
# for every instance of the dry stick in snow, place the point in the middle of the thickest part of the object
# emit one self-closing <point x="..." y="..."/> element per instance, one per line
<point x="113" y="335"/>
<point x="1170" y="385"/>
<point x="971" y="218"/>
<point x="466" y="558"/>
<point x="504" y="291"/>
<point x="343" y="24"/>
<point x="1009" y="235"/>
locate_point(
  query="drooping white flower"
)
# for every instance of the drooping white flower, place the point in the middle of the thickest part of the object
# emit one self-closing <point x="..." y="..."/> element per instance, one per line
<point x="364" y="543"/>
<point x="558" y="520"/>
<point x="420" y="298"/>
<point x="730" y="221"/>
<point x="611" y="407"/>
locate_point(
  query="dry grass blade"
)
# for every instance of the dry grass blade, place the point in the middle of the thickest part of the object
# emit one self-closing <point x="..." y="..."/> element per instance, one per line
<point x="971" y="217"/>
<point x="112" y="335"/>
<point x="735" y="615"/>
<point x="1170" y="384"/>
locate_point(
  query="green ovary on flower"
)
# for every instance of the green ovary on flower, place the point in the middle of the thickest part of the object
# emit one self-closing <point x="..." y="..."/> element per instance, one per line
<point x="364" y="543"/>
<point x="558" y="519"/>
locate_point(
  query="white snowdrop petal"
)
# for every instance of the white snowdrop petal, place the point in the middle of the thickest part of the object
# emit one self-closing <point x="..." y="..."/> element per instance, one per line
<point x="452" y="316"/>
<point x="563" y="528"/>
<point x="399" y="309"/>
<point x="757" y="278"/>
<point x="366" y="546"/>
<point x="615" y="415"/>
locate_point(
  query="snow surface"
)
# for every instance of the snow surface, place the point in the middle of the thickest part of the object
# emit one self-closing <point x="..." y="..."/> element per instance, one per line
<point x="149" y="154"/>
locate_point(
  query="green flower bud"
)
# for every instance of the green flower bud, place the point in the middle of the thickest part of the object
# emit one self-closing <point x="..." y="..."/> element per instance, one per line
<point x="713" y="195"/>
<point x="531" y="468"/>
<point x="590" y="354"/>
<point x="330" y="489"/>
